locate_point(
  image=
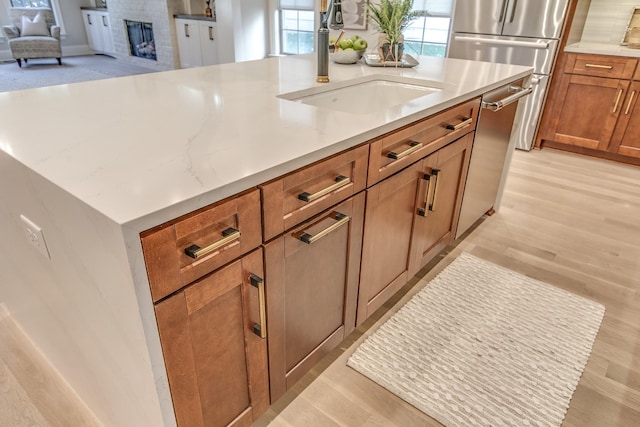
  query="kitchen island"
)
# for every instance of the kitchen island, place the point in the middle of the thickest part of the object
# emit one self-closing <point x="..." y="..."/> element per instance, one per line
<point x="96" y="164"/>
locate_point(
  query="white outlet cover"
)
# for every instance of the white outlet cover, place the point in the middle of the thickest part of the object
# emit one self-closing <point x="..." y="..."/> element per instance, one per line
<point x="35" y="236"/>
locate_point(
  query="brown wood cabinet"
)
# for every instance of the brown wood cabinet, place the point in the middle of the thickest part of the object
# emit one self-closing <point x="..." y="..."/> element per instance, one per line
<point x="312" y="274"/>
<point x="216" y="363"/>
<point x="592" y="109"/>
<point x="183" y="250"/>
<point x="626" y="138"/>
<point x="409" y="218"/>
<point x="324" y="269"/>
<point x="439" y="210"/>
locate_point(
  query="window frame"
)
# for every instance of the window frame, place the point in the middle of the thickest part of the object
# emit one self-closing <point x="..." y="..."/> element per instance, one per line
<point x="281" y="29"/>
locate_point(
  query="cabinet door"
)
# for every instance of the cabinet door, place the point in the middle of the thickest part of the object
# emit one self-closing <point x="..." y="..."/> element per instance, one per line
<point x="208" y="43"/>
<point x="92" y="28"/>
<point x="188" y="35"/>
<point x="626" y="139"/>
<point x="386" y="246"/>
<point x="312" y="290"/>
<point x="437" y="212"/>
<point x="587" y="115"/>
<point x="216" y="364"/>
<point x="105" y="32"/>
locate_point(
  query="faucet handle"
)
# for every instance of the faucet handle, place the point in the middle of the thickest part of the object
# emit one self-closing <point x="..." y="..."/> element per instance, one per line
<point x="336" y="22"/>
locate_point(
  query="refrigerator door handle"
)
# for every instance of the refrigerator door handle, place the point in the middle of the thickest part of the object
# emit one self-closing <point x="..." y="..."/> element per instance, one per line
<point x="499" y="105"/>
<point x="502" y="10"/>
<point x="514" y="43"/>
<point x="513" y="11"/>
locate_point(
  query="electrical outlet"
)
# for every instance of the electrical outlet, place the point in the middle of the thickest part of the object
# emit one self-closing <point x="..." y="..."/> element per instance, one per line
<point x="35" y="236"/>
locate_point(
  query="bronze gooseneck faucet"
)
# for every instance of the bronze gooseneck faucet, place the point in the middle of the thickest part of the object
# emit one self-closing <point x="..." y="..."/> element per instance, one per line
<point x="331" y="15"/>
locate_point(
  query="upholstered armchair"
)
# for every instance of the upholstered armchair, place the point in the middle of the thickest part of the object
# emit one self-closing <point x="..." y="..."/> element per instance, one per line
<point x="34" y="34"/>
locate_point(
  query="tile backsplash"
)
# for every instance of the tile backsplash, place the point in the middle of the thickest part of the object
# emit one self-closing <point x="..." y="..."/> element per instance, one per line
<point x="607" y="20"/>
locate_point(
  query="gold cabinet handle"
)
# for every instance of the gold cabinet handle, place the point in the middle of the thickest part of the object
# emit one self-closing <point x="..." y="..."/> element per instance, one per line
<point x="436" y="174"/>
<point x="341" y="181"/>
<point x="626" y="112"/>
<point x="466" y="121"/>
<point x="307" y="238"/>
<point x="615" y="107"/>
<point x="228" y="235"/>
<point x="413" y="146"/>
<point x="260" y="329"/>
<point x="424" y="212"/>
<point x="602" y="67"/>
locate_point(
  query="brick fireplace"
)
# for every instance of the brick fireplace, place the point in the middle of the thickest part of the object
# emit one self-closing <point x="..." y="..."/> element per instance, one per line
<point x="154" y="14"/>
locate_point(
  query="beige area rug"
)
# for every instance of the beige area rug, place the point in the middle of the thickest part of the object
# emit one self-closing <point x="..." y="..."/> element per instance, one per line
<point x="482" y="345"/>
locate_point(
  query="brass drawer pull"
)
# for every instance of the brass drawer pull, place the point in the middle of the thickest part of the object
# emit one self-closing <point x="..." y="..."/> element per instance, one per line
<point x="465" y="122"/>
<point x="260" y="329"/>
<point x="615" y="107"/>
<point x="633" y="94"/>
<point x="424" y="212"/>
<point x="413" y="146"/>
<point x="340" y="218"/>
<point x="341" y="181"/>
<point x="229" y="235"/>
<point x="436" y="174"/>
<point x="602" y="67"/>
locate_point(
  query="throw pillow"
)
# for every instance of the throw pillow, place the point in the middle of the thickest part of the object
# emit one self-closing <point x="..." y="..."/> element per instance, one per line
<point x="37" y="27"/>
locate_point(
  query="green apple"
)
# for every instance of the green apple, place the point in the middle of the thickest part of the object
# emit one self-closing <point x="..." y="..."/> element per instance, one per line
<point x="332" y="40"/>
<point x="346" y="44"/>
<point x="355" y="37"/>
<point x="360" y="44"/>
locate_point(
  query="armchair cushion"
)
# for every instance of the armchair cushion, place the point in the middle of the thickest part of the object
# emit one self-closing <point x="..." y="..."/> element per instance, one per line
<point x="37" y="27"/>
<point x="11" y="31"/>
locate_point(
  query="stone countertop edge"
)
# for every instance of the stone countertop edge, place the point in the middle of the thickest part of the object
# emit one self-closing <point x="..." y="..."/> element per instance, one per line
<point x="180" y="140"/>
<point x="99" y="9"/>
<point x="602" y="49"/>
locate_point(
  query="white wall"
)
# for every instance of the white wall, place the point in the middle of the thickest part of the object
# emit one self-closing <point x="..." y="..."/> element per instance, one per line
<point x="79" y="307"/>
<point x="607" y="20"/>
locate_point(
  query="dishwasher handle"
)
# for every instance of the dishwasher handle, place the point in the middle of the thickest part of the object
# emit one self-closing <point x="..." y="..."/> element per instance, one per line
<point x="499" y="105"/>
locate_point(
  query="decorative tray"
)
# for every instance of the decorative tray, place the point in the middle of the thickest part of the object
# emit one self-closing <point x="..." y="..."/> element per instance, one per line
<point x="407" y="61"/>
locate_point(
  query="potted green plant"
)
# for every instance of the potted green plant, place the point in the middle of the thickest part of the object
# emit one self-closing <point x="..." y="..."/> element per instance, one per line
<point x="392" y="17"/>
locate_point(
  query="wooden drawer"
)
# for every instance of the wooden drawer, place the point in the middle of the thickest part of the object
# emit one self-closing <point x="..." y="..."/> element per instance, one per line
<point x="298" y="196"/>
<point x="616" y="67"/>
<point x="223" y="232"/>
<point x="396" y="150"/>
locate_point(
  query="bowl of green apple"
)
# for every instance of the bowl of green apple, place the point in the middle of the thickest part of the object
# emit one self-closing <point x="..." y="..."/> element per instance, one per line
<point x="347" y="50"/>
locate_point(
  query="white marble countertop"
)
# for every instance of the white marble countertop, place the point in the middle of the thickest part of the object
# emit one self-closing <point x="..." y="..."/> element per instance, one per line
<point x="144" y="149"/>
<point x="602" y="49"/>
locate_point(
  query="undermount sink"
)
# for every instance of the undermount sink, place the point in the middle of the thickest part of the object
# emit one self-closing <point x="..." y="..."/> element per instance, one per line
<point x="364" y="97"/>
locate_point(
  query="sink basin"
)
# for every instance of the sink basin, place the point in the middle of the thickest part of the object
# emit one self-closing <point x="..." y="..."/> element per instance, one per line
<point x="363" y="97"/>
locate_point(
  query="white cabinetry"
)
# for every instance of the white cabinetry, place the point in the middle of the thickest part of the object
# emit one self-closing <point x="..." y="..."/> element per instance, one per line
<point x="197" y="43"/>
<point x="98" y="30"/>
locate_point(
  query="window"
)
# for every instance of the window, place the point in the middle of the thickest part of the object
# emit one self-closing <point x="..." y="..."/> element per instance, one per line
<point x="428" y="35"/>
<point x="30" y="3"/>
<point x="296" y="26"/>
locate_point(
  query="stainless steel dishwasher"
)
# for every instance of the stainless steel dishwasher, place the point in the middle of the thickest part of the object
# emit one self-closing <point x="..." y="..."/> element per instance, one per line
<point x="492" y="150"/>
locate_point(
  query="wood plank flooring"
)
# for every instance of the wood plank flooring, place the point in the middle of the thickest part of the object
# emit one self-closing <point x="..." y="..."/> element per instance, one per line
<point x="568" y="220"/>
<point x="565" y="219"/>
<point x="31" y="393"/>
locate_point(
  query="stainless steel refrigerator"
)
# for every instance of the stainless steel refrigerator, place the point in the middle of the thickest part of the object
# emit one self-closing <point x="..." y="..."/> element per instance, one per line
<point x="522" y="32"/>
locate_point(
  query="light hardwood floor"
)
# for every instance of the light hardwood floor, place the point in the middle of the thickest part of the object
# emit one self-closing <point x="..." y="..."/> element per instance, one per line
<point x="568" y="220"/>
